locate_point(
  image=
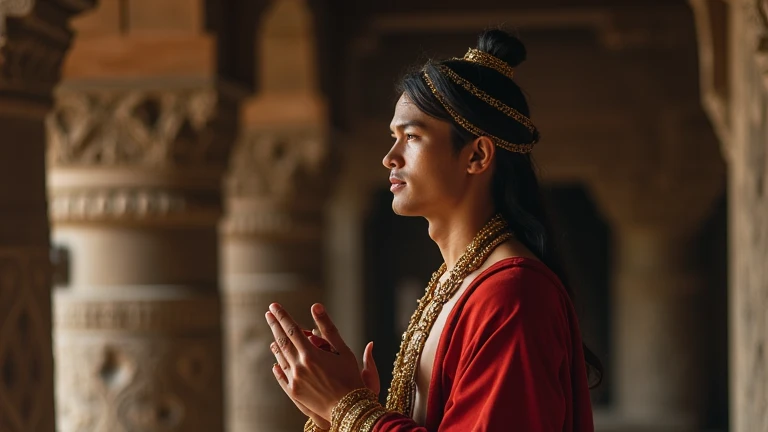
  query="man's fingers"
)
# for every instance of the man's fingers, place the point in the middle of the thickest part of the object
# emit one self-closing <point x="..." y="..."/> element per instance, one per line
<point x="279" y="357"/>
<point x="282" y="379"/>
<point x="289" y="327"/>
<point x="282" y="340"/>
<point x="328" y="328"/>
<point x="370" y="372"/>
<point x="280" y="376"/>
<point x="322" y="344"/>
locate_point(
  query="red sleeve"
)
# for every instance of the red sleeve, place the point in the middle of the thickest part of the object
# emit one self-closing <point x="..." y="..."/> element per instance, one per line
<point x="507" y="360"/>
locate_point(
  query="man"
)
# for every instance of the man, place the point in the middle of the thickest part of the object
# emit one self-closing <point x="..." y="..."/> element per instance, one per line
<point x="494" y="344"/>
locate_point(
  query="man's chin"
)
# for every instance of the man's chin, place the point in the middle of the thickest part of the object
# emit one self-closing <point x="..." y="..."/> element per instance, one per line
<point x="401" y="209"/>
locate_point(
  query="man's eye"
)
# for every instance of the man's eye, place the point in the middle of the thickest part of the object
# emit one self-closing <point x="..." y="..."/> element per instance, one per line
<point x="410" y="137"/>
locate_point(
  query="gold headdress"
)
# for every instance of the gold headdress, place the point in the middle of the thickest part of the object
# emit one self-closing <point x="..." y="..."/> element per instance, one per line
<point x="488" y="60"/>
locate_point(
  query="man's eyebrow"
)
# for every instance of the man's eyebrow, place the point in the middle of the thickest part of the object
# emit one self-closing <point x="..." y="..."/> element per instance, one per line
<point x="403" y="125"/>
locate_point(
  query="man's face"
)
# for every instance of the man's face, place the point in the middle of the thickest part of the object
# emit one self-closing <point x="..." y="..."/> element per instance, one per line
<point x="427" y="177"/>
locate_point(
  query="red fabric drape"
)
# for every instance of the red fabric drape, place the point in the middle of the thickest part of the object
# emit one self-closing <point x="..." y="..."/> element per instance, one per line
<point x="509" y="359"/>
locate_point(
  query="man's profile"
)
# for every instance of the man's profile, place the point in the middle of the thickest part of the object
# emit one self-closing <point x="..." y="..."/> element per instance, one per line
<point x="494" y="344"/>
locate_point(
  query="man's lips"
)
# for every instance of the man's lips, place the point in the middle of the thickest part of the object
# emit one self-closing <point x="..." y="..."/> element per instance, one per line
<point x="396" y="184"/>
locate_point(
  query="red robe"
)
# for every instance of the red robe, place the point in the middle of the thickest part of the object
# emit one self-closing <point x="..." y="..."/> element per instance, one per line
<point x="509" y="359"/>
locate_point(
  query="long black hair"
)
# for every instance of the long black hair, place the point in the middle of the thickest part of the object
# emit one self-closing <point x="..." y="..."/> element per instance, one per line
<point x="516" y="192"/>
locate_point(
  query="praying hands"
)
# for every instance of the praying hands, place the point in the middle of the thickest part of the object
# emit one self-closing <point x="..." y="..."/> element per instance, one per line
<point x="316" y="372"/>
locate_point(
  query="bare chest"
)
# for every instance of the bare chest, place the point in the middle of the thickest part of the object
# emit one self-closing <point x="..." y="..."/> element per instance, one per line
<point x="427" y="358"/>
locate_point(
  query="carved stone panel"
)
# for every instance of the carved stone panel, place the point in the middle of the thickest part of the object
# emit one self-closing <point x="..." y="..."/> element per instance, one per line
<point x="142" y="128"/>
<point x="138" y="364"/>
<point x="139" y="154"/>
<point x="26" y="368"/>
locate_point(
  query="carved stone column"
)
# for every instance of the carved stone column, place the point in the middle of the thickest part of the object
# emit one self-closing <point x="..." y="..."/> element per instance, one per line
<point x="34" y="36"/>
<point x="656" y="205"/>
<point x="271" y="235"/>
<point x="137" y="152"/>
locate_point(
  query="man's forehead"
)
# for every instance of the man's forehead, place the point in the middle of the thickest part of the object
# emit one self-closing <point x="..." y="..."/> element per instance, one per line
<point x="407" y="113"/>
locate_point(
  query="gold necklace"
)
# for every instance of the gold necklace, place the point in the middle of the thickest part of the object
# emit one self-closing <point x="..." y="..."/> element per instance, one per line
<point x="403" y="388"/>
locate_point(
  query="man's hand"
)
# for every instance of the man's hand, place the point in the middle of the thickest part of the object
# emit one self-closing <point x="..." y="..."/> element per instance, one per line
<point x="318" y="420"/>
<point x="314" y="378"/>
<point x="369" y="374"/>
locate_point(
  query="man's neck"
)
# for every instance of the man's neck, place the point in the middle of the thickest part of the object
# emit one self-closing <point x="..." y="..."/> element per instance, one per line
<point x="453" y="234"/>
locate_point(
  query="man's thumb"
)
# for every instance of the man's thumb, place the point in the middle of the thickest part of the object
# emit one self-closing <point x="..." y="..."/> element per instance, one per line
<point x="370" y="372"/>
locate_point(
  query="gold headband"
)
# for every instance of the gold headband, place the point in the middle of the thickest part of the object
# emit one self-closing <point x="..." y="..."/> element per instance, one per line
<point x="506" y="145"/>
<point x="490" y="100"/>
<point x="484" y="59"/>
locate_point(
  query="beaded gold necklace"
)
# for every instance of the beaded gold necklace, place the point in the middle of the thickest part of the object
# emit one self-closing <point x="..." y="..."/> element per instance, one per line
<point x="403" y="389"/>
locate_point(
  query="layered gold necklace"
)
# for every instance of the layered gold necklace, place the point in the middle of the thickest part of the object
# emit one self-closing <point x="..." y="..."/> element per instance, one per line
<point x="403" y="389"/>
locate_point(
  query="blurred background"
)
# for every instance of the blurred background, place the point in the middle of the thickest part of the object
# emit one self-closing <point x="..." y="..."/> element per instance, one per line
<point x="169" y="168"/>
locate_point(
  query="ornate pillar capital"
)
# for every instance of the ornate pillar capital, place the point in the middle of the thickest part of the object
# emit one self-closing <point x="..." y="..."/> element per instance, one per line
<point x="148" y="155"/>
<point x="34" y="38"/>
<point x="278" y="183"/>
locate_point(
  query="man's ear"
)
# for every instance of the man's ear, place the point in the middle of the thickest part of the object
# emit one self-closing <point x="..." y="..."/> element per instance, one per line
<point x="481" y="152"/>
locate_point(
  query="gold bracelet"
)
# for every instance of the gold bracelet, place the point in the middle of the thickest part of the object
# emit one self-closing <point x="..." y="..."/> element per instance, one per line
<point x="310" y="426"/>
<point x="349" y="401"/>
<point x="373" y="406"/>
<point x="350" y="419"/>
<point x="361" y="417"/>
<point x="373" y="417"/>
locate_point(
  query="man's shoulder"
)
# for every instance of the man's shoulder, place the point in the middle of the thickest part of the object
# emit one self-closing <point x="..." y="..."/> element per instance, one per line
<point x="512" y="283"/>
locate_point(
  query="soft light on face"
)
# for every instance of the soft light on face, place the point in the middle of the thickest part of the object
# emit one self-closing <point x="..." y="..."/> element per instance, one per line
<point x="426" y="177"/>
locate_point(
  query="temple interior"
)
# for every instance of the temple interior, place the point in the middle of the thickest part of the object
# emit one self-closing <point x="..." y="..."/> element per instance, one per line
<point x="169" y="168"/>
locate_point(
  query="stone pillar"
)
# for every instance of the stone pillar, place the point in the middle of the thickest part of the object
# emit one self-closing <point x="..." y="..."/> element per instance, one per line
<point x="656" y="205"/>
<point x="34" y="36"/>
<point x="747" y="151"/>
<point x="656" y="310"/>
<point x="733" y="46"/>
<point x="138" y="144"/>
<point x="271" y="235"/>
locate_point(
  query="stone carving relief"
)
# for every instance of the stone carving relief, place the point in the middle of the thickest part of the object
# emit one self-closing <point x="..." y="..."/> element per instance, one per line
<point x="283" y="178"/>
<point x="113" y="378"/>
<point x="32" y="49"/>
<point x="31" y="63"/>
<point x="131" y="203"/>
<point x="25" y="361"/>
<point x="149" y="316"/>
<point x="181" y="136"/>
<point x="161" y="128"/>
<point x="280" y="163"/>
<point x="137" y="384"/>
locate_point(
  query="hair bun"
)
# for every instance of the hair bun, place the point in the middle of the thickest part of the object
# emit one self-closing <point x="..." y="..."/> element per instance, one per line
<point x="502" y="45"/>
